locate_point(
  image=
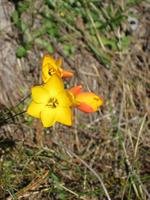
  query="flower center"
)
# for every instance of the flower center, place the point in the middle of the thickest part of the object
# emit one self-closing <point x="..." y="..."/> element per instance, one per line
<point x="51" y="71"/>
<point x="53" y="102"/>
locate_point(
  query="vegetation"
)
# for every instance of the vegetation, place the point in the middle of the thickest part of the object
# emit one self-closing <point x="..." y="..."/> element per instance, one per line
<point x="105" y="155"/>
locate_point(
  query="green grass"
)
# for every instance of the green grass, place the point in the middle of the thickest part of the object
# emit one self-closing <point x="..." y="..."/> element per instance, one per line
<point x="104" y="155"/>
<point x="93" y="22"/>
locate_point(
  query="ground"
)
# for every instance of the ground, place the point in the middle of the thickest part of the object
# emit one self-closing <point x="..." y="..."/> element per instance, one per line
<point x="104" y="155"/>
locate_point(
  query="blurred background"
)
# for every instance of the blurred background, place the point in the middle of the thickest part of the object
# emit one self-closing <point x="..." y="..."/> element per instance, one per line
<point x="104" y="155"/>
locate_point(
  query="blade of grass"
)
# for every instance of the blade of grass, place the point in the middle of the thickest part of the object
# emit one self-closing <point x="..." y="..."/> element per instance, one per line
<point x="139" y="135"/>
<point x="88" y="167"/>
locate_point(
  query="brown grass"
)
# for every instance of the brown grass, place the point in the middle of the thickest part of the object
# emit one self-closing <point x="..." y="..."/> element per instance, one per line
<point x="104" y="155"/>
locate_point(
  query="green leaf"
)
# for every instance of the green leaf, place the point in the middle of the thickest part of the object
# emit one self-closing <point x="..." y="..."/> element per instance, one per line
<point x="109" y="42"/>
<point x="125" y="42"/>
<point x="15" y="17"/>
<point x="23" y="26"/>
<point x="69" y="49"/>
<point x="21" y="52"/>
<point x="45" y="44"/>
<point x="62" y="195"/>
<point x="22" y="7"/>
<point x="55" y="178"/>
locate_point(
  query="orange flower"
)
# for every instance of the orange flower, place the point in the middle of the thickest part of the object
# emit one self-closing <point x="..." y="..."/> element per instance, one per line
<point x="51" y="66"/>
<point x="85" y="101"/>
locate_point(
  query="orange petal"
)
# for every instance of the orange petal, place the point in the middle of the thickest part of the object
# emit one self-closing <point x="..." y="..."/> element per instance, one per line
<point x="76" y="90"/>
<point x="90" y="99"/>
<point x="85" y="108"/>
<point x="66" y="74"/>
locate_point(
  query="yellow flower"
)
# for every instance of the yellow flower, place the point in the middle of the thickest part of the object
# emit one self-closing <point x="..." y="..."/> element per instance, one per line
<point x="51" y="66"/>
<point x="51" y="103"/>
<point x="85" y="101"/>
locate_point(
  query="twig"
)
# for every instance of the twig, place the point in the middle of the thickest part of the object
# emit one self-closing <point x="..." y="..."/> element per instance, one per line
<point x="132" y="171"/>
<point x="88" y="167"/>
<point x="15" y="115"/>
<point x="24" y="192"/>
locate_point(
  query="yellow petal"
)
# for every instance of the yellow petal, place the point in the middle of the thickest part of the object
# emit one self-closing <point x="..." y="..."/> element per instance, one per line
<point x="45" y="77"/>
<point x="49" y="67"/>
<point x="48" y="61"/>
<point x="64" y="116"/>
<point x="48" y="116"/>
<point x="40" y="95"/>
<point x="59" y="62"/>
<point x="35" y="109"/>
<point x="64" y="99"/>
<point x="54" y="85"/>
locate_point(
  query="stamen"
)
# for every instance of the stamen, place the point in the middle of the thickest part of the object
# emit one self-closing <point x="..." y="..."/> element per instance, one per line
<point x="53" y="102"/>
<point x="51" y="71"/>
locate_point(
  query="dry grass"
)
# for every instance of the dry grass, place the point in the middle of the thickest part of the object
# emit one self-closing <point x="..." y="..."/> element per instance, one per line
<point x="105" y="155"/>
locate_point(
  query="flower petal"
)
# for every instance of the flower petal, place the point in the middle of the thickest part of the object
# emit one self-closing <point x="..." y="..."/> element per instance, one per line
<point x="90" y="99"/>
<point x="66" y="74"/>
<point x="40" y="95"/>
<point x="59" y="62"/>
<point x="64" y="116"/>
<point x="49" y="67"/>
<point x="45" y="77"/>
<point x="76" y="90"/>
<point x="35" y="109"/>
<point x="48" y="116"/>
<point x="85" y="108"/>
<point x="54" y="85"/>
<point x="64" y="99"/>
<point x="48" y="61"/>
